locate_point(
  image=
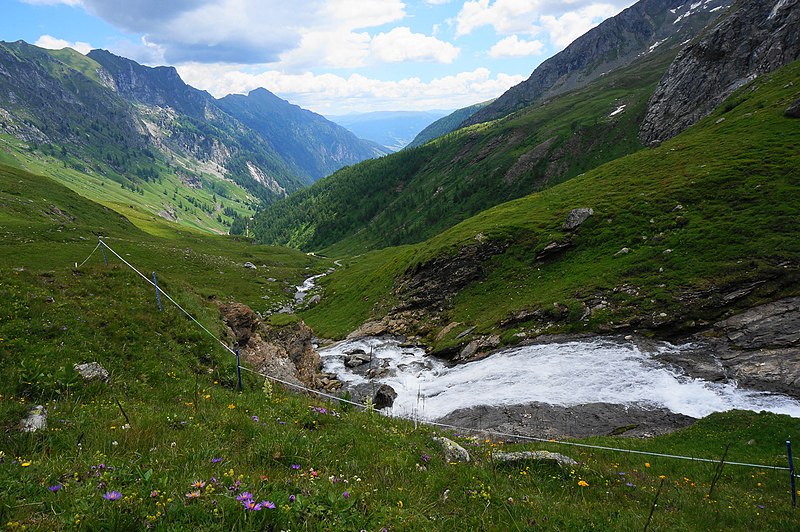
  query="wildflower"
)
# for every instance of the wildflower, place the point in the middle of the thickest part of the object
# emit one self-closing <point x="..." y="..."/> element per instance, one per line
<point x="55" y="488"/>
<point x="25" y="464"/>
<point x="255" y="418"/>
<point x="193" y="495"/>
<point x="583" y="483"/>
<point x="647" y="464"/>
<point x="244" y="496"/>
<point x="292" y="498"/>
<point x="295" y="466"/>
<point x="216" y="460"/>
<point x="112" y="495"/>
<point x="199" y="484"/>
<point x="231" y="406"/>
<point x="154" y="494"/>
<point x="425" y="457"/>
<point x="251" y="506"/>
<point x="268" y="504"/>
<point x="630" y="484"/>
<point x="346" y="494"/>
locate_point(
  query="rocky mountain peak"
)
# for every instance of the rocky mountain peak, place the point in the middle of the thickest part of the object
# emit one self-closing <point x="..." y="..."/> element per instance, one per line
<point x="616" y="42"/>
<point x="756" y="37"/>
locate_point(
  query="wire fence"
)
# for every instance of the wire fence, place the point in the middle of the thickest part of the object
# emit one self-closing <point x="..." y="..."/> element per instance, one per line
<point x="488" y="432"/>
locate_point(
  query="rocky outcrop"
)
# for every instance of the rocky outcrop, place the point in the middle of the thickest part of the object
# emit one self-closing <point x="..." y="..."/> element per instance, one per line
<point x="576" y="217"/>
<point x="759" y="36"/>
<point x="758" y="348"/>
<point x="536" y="456"/>
<point x="284" y="352"/>
<point x="616" y="42"/>
<point x="579" y="421"/>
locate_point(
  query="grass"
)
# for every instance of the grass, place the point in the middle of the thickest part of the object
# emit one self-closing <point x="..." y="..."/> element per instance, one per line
<point x="173" y="436"/>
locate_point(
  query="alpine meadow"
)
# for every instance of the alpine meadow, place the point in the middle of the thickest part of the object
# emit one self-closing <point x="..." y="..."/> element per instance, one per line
<point x="468" y="297"/>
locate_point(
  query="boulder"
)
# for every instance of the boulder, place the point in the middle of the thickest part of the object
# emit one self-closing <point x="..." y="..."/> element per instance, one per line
<point x="453" y="452"/>
<point x="576" y="217"/>
<point x="36" y="419"/>
<point x="539" y="456"/>
<point x="91" y="371"/>
<point x="384" y="397"/>
<point x="793" y="111"/>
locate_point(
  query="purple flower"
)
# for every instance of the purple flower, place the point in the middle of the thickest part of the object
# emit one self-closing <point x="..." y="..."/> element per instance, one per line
<point x="346" y="494"/>
<point x="251" y="506"/>
<point x="425" y="457"/>
<point x="268" y="504"/>
<point x="112" y="495"/>
<point x="292" y="498"/>
<point x="216" y="460"/>
<point x="295" y="466"/>
<point x="55" y="488"/>
<point x="630" y="484"/>
<point x="255" y="418"/>
<point x="244" y="496"/>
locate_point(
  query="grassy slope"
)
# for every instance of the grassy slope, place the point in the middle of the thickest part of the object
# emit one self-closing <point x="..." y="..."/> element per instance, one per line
<point x="177" y="388"/>
<point x="734" y="176"/>
<point x="412" y="195"/>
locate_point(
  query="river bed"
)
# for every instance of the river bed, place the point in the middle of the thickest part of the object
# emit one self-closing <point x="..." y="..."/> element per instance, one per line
<point x="564" y="374"/>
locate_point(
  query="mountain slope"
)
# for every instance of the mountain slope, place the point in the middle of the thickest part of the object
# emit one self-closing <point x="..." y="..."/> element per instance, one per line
<point x="416" y="193"/>
<point x="756" y="37"/>
<point x="446" y="124"/>
<point x="614" y="43"/>
<point x="680" y="236"/>
<point x="312" y="146"/>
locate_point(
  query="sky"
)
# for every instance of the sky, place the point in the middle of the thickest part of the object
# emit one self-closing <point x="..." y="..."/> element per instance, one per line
<point x="330" y="56"/>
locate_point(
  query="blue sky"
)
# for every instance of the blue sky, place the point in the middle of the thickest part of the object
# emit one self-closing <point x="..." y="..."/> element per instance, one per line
<point x="330" y="56"/>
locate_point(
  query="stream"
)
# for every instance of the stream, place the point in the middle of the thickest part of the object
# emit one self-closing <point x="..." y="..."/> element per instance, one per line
<point x="566" y="374"/>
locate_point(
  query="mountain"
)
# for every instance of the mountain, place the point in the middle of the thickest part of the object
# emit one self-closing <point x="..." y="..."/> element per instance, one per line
<point x="756" y="37"/>
<point x="614" y="43"/>
<point x="672" y="241"/>
<point x="417" y="193"/>
<point x="310" y="144"/>
<point x="391" y="129"/>
<point x="446" y="124"/>
<point x="175" y="152"/>
<point x="412" y="195"/>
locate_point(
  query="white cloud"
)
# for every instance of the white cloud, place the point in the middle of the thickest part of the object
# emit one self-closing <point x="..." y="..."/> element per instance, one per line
<point x="513" y="46"/>
<point x="247" y="31"/>
<point x="329" y="93"/>
<point x="53" y="43"/>
<point x="561" y="21"/>
<point x="53" y="2"/>
<point x="400" y="44"/>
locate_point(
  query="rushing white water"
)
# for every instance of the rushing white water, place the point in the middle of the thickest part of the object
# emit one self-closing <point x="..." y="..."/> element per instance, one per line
<point x="564" y="374"/>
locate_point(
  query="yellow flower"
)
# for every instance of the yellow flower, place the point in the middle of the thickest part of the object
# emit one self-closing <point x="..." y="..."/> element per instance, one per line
<point x="399" y="504"/>
<point x="647" y="464"/>
<point x="583" y="483"/>
<point x="231" y="406"/>
<point x="25" y="464"/>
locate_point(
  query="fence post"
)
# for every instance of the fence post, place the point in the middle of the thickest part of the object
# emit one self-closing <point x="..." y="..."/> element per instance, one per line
<point x="103" y="249"/>
<point x="158" y="293"/>
<point x="791" y="473"/>
<point x="239" y="370"/>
